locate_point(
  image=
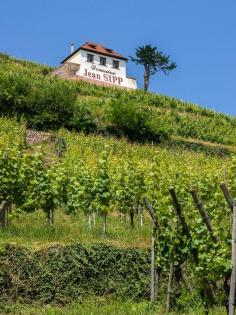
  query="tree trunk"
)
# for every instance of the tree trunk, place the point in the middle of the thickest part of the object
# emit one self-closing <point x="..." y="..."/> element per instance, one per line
<point x="233" y="274"/>
<point x="146" y="80"/>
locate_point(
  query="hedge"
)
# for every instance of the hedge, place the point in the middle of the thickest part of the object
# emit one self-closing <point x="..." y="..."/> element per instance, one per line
<point x="59" y="274"/>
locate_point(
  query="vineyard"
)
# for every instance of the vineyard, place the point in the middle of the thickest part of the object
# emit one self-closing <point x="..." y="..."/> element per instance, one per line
<point x="113" y="175"/>
<point x="48" y="102"/>
<point x="105" y="188"/>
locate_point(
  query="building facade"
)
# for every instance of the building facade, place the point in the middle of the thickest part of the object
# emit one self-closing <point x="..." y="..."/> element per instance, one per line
<point x="96" y="64"/>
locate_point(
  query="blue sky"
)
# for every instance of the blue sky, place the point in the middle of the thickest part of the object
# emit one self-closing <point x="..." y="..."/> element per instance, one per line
<point x="199" y="35"/>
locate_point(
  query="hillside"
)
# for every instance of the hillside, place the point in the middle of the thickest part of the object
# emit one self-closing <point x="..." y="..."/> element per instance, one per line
<point x="76" y="164"/>
<point x="28" y="226"/>
<point x="58" y="172"/>
<point x="48" y="102"/>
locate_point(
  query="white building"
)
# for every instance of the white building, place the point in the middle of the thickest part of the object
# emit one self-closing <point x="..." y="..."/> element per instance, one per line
<point x="96" y="64"/>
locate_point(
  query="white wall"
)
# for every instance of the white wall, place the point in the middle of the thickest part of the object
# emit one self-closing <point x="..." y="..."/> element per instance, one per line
<point x="106" y="74"/>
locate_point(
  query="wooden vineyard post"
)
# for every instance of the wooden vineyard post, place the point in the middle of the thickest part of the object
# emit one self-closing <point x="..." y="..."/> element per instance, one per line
<point x="227" y="195"/>
<point x="153" y="252"/>
<point x="231" y="290"/>
<point x="4" y="214"/>
<point x="233" y="274"/>
<point x="153" y="270"/>
<point x="183" y="223"/>
<point x="207" y="291"/>
<point x="205" y="217"/>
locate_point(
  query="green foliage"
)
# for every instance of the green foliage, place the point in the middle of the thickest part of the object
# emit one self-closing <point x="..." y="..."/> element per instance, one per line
<point x="104" y="306"/>
<point x="12" y="133"/>
<point x="101" y="186"/>
<point x="128" y="186"/>
<point x="59" y="146"/>
<point x="142" y="171"/>
<point x="83" y="119"/>
<point x="92" y="176"/>
<point x="80" y="189"/>
<point x="95" y="306"/>
<point x="27" y="183"/>
<point x="153" y="61"/>
<point x="97" y="174"/>
<point x="45" y="101"/>
<point x="50" y="102"/>
<point x="165" y="114"/>
<point x="60" y="274"/>
<point x="135" y="121"/>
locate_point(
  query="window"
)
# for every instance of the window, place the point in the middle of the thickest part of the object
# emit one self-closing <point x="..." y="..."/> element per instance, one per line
<point x="115" y="64"/>
<point x="90" y="58"/>
<point x="103" y="61"/>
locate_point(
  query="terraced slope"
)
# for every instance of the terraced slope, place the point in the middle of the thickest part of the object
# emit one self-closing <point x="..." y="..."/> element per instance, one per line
<point x="49" y="102"/>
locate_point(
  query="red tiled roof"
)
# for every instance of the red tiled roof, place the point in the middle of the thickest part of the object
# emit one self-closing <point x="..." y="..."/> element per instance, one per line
<point x="99" y="49"/>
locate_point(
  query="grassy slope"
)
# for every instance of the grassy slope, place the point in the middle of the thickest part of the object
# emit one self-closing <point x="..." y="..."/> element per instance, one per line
<point x="96" y="307"/>
<point x="184" y="119"/>
<point x="32" y="230"/>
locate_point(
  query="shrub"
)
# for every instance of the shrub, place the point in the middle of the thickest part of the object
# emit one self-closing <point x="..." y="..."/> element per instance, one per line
<point x="45" y="101"/>
<point x="60" y="274"/>
<point x="82" y="119"/>
<point x="50" y="102"/>
<point x="133" y="120"/>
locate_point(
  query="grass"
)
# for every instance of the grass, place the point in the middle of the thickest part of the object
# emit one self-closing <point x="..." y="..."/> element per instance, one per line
<point x="98" y="307"/>
<point x="31" y="229"/>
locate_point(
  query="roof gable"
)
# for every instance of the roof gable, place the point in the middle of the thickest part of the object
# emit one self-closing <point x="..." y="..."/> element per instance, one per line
<point x="99" y="49"/>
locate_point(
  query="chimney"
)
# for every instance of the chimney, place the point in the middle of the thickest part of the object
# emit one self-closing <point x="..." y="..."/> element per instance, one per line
<point x="72" y="48"/>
